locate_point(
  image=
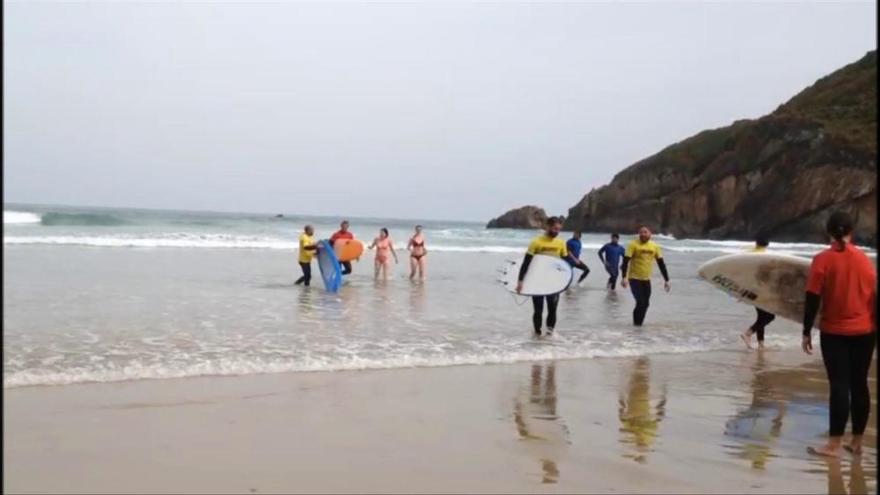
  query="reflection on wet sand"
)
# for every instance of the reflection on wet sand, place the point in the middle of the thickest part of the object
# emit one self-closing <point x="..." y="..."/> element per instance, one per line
<point x="639" y="422"/>
<point x="789" y="411"/>
<point x="758" y="426"/>
<point x="837" y="484"/>
<point x="537" y="422"/>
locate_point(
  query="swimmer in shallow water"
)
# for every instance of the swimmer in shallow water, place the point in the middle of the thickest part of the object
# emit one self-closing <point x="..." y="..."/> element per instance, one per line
<point x="384" y="252"/>
<point x="417" y="252"/>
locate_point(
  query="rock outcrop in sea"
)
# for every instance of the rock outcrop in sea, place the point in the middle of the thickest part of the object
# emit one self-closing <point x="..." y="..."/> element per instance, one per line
<point x="525" y="217"/>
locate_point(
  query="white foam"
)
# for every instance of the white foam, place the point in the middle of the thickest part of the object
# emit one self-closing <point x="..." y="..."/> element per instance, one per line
<point x="310" y="363"/>
<point x="20" y="217"/>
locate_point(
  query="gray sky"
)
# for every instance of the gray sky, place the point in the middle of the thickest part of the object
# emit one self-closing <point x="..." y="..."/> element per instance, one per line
<point x="450" y="111"/>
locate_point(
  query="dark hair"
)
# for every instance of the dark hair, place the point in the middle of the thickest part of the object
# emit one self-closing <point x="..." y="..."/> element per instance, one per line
<point x="419" y="226"/>
<point x="615" y="235"/>
<point x="839" y="225"/>
<point x="384" y="231"/>
<point x="553" y="221"/>
<point x="762" y="240"/>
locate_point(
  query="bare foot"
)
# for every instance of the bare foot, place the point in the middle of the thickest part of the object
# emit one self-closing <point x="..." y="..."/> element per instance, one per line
<point x="761" y="344"/>
<point x="825" y="451"/>
<point x="853" y="449"/>
<point x="747" y="339"/>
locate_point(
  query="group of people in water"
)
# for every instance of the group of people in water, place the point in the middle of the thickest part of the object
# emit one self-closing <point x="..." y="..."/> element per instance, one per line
<point x="842" y="280"/>
<point x="384" y="246"/>
<point x="635" y="262"/>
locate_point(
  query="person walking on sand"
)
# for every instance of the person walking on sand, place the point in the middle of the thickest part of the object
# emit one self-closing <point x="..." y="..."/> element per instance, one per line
<point x="550" y="244"/>
<point x="307" y="249"/>
<point x="764" y="318"/>
<point x="843" y="280"/>
<point x="638" y="264"/>
<point x="417" y="252"/>
<point x="342" y="233"/>
<point x="384" y="251"/>
<point x="574" y="247"/>
<point x="611" y="254"/>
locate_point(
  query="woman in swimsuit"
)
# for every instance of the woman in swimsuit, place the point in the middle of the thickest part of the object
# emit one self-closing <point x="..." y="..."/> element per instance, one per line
<point x="417" y="254"/>
<point x="384" y="248"/>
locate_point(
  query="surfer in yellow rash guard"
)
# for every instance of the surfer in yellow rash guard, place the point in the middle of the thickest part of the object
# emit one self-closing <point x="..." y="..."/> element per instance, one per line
<point x="764" y="318"/>
<point x="638" y="263"/>
<point x="307" y="249"/>
<point x="549" y="244"/>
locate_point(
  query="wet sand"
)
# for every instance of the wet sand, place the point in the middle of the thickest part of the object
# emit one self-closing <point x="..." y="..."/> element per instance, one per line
<point x="720" y="422"/>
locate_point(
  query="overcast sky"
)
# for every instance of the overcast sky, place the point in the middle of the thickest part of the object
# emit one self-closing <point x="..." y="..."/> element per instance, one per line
<point x="444" y="111"/>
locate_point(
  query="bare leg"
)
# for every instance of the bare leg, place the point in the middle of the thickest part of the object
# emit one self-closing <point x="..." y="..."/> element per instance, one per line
<point x="385" y="271"/>
<point x="412" y="267"/>
<point x="422" y="263"/>
<point x="747" y="337"/>
<point x="376" y="271"/>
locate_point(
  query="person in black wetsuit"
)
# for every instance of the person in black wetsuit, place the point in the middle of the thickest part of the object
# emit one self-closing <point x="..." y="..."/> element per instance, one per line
<point x="546" y="244"/>
<point x="764" y="318"/>
<point x="611" y="254"/>
<point x="638" y="263"/>
<point x="574" y="249"/>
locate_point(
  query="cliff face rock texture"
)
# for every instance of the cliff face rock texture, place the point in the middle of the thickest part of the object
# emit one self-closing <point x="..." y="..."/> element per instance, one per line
<point x="526" y="217"/>
<point x="781" y="174"/>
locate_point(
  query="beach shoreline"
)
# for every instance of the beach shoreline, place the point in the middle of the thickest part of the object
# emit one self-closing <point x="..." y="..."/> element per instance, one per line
<point x="692" y="423"/>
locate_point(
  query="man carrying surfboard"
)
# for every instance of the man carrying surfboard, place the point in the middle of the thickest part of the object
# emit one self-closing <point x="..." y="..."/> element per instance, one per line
<point x="638" y="264"/>
<point x="549" y="244"/>
<point x="611" y="254"/>
<point x="342" y="233"/>
<point x="307" y="249"/>
<point x="764" y="317"/>
<point x="574" y="247"/>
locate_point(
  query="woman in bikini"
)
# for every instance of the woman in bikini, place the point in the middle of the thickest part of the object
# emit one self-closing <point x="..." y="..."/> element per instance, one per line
<point x="417" y="252"/>
<point x="384" y="252"/>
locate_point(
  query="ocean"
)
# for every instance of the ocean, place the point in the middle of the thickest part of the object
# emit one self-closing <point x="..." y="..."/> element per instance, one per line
<point x="107" y="294"/>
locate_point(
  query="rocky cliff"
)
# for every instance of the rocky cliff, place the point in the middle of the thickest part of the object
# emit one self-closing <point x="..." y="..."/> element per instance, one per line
<point x="781" y="174"/>
<point x="526" y="217"/>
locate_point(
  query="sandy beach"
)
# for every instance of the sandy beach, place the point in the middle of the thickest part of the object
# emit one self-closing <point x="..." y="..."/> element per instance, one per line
<point x="716" y="422"/>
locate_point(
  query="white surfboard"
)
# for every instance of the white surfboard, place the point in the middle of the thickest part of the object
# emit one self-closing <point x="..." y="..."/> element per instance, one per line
<point x="547" y="275"/>
<point x="772" y="282"/>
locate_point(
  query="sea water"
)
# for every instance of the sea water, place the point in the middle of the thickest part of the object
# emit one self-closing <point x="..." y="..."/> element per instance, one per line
<point x="99" y="294"/>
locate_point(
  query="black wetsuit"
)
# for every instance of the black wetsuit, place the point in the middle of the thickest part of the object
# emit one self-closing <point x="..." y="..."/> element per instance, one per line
<point x="641" y="291"/>
<point x="306" y="276"/>
<point x="538" y="302"/>
<point x="764" y="318"/>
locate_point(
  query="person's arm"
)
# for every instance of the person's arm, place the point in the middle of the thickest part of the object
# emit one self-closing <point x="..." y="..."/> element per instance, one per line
<point x="662" y="265"/>
<point x="815" y="281"/>
<point x="524" y="267"/>
<point x="371" y="246"/>
<point x="601" y="257"/>
<point x="409" y="245"/>
<point x="393" y="252"/>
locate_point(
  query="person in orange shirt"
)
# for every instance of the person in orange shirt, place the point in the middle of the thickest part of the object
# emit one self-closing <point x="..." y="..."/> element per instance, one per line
<point x="844" y="281"/>
<point x="342" y="233"/>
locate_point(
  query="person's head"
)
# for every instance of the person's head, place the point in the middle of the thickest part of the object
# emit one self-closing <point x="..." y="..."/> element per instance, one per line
<point x="418" y="229"/>
<point x="644" y="234"/>
<point x="615" y="237"/>
<point x="576" y="234"/>
<point x="383" y="233"/>
<point x="554" y="226"/>
<point x="344" y="226"/>
<point x="762" y="241"/>
<point x="839" y="226"/>
<point x="309" y="230"/>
